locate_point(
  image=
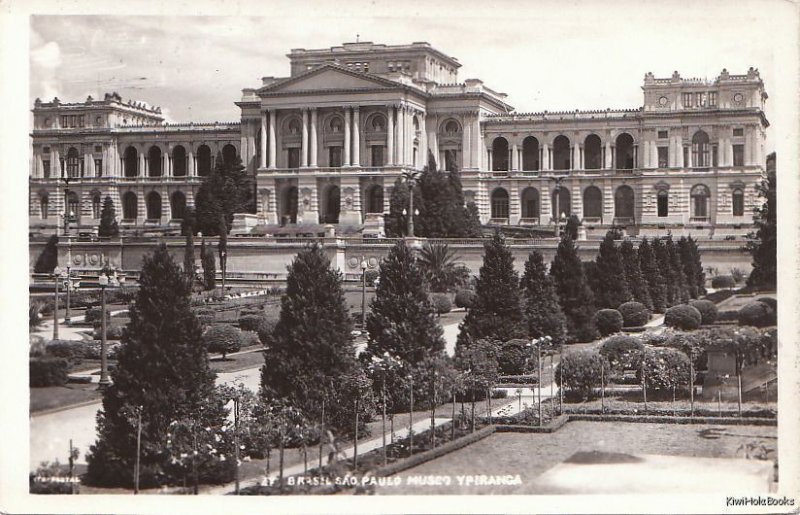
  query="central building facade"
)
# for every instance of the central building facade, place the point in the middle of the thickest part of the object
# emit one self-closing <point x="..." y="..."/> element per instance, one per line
<point x="327" y="143"/>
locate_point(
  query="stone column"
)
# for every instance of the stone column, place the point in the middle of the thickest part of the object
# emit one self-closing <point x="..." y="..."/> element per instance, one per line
<point x="390" y="136"/>
<point x="401" y="122"/>
<point x="142" y="161"/>
<point x="169" y="165"/>
<point x="347" y="136"/>
<point x="304" y="140"/>
<point x="609" y="161"/>
<point x="576" y="157"/>
<point x="514" y="157"/>
<point x="467" y="148"/>
<point x="273" y="144"/>
<point x="164" y="164"/>
<point x="689" y="156"/>
<point x="636" y="156"/>
<point x="88" y="165"/>
<point x="262" y="160"/>
<point x="356" y="137"/>
<point x="192" y="168"/>
<point x="489" y="160"/>
<point x="313" y="157"/>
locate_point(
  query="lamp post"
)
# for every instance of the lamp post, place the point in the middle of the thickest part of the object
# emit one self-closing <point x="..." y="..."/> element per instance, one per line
<point x="411" y="177"/>
<point x="104" y="282"/>
<point x="69" y="287"/>
<point x="56" y="278"/>
<point x="67" y="214"/>
<point x="557" y="206"/>
<point x="363" y="294"/>
<point x="223" y="255"/>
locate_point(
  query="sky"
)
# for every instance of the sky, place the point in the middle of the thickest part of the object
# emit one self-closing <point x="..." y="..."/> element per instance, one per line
<point x="553" y="56"/>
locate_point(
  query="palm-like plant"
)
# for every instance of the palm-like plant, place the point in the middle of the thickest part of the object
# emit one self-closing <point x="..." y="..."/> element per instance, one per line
<point x="441" y="267"/>
<point x="35" y="315"/>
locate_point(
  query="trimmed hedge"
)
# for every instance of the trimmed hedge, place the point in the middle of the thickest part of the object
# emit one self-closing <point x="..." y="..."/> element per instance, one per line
<point x="708" y="310"/>
<point x="771" y="302"/>
<point x="250" y="338"/>
<point x="608" y="321"/>
<point x="683" y="317"/>
<point x="222" y="339"/>
<point x="48" y="372"/>
<point x="512" y="357"/>
<point x="113" y="332"/>
<point x="581" y="371"/>
<point x="723" y="281"/>
<point x="665" y="368"/>
<point x="465" y="298"/>
<point x="441" y="303"/>
<point x="634" y="314"/>
<point x="92" y="316"/>
<point x="622" y="352"/>
<point x="757" y="314"/>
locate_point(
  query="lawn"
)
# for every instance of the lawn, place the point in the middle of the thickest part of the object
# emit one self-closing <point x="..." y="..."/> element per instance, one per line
<point x="529" y="455"/>
<point x="51" y="397"/>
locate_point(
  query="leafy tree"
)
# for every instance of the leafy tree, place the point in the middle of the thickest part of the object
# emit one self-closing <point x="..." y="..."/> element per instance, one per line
<point x="472" y="224"/>
<point x="541" y="308"/>
<point x="227" y="190"/>
<point x="402" y="320"/>
<point x="310" y="356"/>
<point x="440" y="267"/>
<point x="395" y="222"/>
<point x="108" y="220"/>
<point x="613" y="289"/>
<point x="188" y="256"/>
<point x="222" y="338"/>
<point x="209" y="266"/>
<point x="572" y="226"/>
<point x="633" y="274"/>
<point x="671" y="292"/>
<point x="574" y="294"/>
<point x="656" y="287"/>
<point x="48" y="259"/>
<point x="764" y="243"/>
<point x="479" y="362"/>
<point x="162" y="372"/>
<point x="497" y="311"/>
<point x="682" y="292"/>
<point x="692" y="267"/>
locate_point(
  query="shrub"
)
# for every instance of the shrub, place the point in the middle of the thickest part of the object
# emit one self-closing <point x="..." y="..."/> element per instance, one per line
<point x="512" y="357"/>
<point x="737" y="274"/>
<point x="266" y="328"/>
<point x="708" y="310"/>
<point x="37" y="345"/>
<point x="622" y="352"/>
<point x="608" y="321"/>
<point x="441" y="303"/>
<point x="48" y="372"/>
<point x="634" y="314"/>
<point x="93" y="348"/>
<point x="683" y="317"/>
<point x="693" y="345"/>
<point x="757" y="314"/>
<point x="370" y="276"/>
<point x="113" y="332"/>
<point x="92" y="316"/>
<point x="465" y="298"/>
<point x="665" y="368"/>
<point x="655" y="339"/>
<point x="223" y="339"/>
<point x="723" y="281"/>
<point x="771" y="302"/>
<point x="581" y="371"/>
<point x="251" y="322"/>
<point x="250" y="338"/>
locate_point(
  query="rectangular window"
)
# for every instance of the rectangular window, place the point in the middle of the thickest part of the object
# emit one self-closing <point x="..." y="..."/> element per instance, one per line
<point x="45" y="150"/>
<point x="738" y="132"/>
<point x="738" y="155"/>
<point x="714" y="154"/>
<point x="293" y="158"/>
<point x="663" y="203"/>
<point x="98" y="167"/>
<point x="700" y="98"/>
<point x="98" y="148"/>
<point x="685" y="157"/>
<point x="712" y="99"/>
<point x="663" y="134"/>
<point x="46" y="168"/>
<point x="335" y="157"/>
<point x="738" y="203"/>
<point x="663" y="157"/>
<point x="687" y="100"/>
<point x="450" y="160"/>
<point x="377" y="155"/>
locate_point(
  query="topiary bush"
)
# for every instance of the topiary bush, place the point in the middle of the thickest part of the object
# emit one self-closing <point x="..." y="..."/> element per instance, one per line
<point x="441" y="303"/>
<point x="72" y="351"/>
<point x="48" y="372"/>
<point x="757" y="314"/>
<point x="113" y="332"/>
<point x="250" y="338"/>
<point x="581" y="371"/>
<point x="683" y="317"/>
<point x="622" y="352"/>
<point x="251" y="322"/>
<point x="693" y="345"/>
<point x="512" y="357"/>
<point x="92" y="316"/>
<point x="465" y="298"/>
<point x="664" y="368"/>
<point x="223" y="339"/>
<point x="708" y="311"/>
<point x="634" y="314"/>
<point x="723" y="281"/>
<point x="608" y="321"/>
<point x="773" y="305"/>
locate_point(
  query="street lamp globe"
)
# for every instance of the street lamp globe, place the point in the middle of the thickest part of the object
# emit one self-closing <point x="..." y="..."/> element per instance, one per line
<point x="103" y="280"/>
<point x="363" y="265"/>
<point x="57" y="271"/>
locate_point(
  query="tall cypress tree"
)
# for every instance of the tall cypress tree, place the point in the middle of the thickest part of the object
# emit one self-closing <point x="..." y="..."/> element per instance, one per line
<point x="310" y="353"/>
<point x="613" y="289"/>
<point x="763" y="245"/>
<point x="652" y="274"/>
<point x="187" y="229"/>
<point x="472" y="223"/>
<point x="108" y="219"/>
<point x="682" y="291"/>
<point x="633" y="274"/>
<point x="402" y="320"/>
<point x="574" y="294"/>
<point x="48" y="259"/>
<point x="497" y="311"/>
<point x="692" y="267"/>
<point x="671" y="293"/>
<point x="228" y="189"/>
<point x="209" y="266"/>
<point x="542" y="311"/>
<point x="700" y="275"/>
<point x="162" y="369"/>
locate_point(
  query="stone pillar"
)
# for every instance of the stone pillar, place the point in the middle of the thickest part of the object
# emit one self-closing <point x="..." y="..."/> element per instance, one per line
<point x="169" y="165"/>
<point x="576" y="157"/>
<point x="390" y="136"/>
<point x="636" y="156"/>
<point x="467" y="149"/>
<point x="273" y="144"/>
<point x="191" y="170"/>
<point x="141" y="171"/>
<point x="356" y="137"/>
<point x="514" y="162"/>
<point x="347" y="136"/>
<point x="401" y="125"/>
<point x="608" y="164"/>
<point x="489" y="160"/>
<point x="164" y="164"/>
<point x="304" y="140"/>
<point x="262" y="160"/>
<point x="88" y="165"/>
<point x="313" y="157"/>
<point x="689" y="156"/>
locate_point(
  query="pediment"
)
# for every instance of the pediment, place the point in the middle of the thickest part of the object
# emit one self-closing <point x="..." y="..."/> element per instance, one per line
<point x="329" y="77"/>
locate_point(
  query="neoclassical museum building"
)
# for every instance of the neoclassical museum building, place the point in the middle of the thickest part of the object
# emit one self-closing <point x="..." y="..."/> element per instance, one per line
<point x="327" y="143"/>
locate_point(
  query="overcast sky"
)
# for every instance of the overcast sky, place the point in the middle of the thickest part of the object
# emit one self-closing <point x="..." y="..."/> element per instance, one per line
<point x="555" y="56"/>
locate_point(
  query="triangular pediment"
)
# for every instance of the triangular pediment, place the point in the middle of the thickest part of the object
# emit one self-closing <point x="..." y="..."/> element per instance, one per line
<point x="329" y="77"/>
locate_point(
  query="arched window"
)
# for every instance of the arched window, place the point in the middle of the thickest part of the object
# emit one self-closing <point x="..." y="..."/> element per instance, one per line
<point x="378" y="123"/>
<point x="334" y="125"/>
<point x="450" y="159"/>
<point x="203" y="160"/>
<point x="561" y="157"/>
<point x="97" y="206"/>
<point x="624" y="203"/>
<point x="177" y="204"/>
<point x="153" y="206"/>
<point x="74" y="168"/>
<point x="375" y="199"/>
<point x="500" y="154"/>
<point x="625" y="152"/>
<point x="452" y="128"/>
<point x="562" y="197"/>
<point x="500" y="204"/>
<point x="592" y="152"/>
<point x="530" y="203"/>
<point x="700" y="150"/>
<point x="289" y="206"/>
<point x="130" y="206"/>
<point x="73" y="206"/>
<point x="154" y="162"/>
<point x="179" y="161"/>
<point x="228" y="154"/>
<point x="593" y="203"/>
<point x="530" y="153"/>
<point x="44" y="206"/>
<point x="738" y="202"/>
<point x="131" y="162"/>
<point x="330" y="214"/>
<point x="662" y="200"/>
<point x="294" y="126"/>
<point x="700" y="195"/>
